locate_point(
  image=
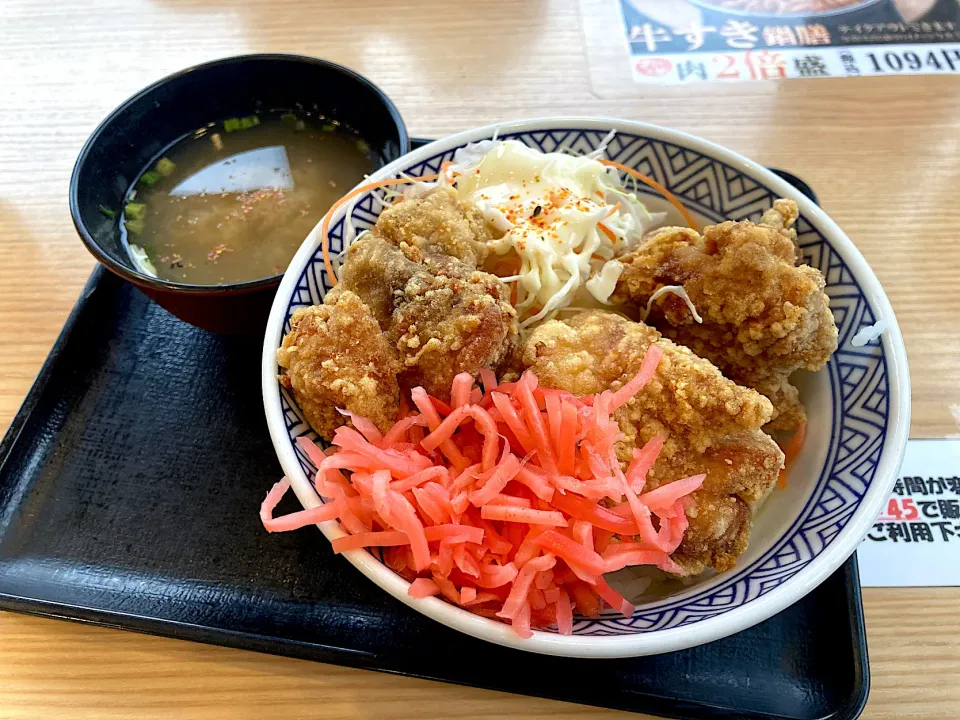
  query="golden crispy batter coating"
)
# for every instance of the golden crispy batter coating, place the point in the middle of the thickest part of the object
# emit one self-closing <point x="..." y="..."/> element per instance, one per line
<point x="718" y="533"/>
<point x="336" y="357"/>
<point x="764" y="317"/>
<point x="375" y="270"/>
<point x="595" y="350"/>
<point x="711" y="424"/>
<point x="741" y="470"/>
<point x="405" y="309"/>
<point x="782" y="216"/>
<point x="745" y="465"/>
<point x="442" y="316"/>
<point x="437" y="224"/>
<point x="378" y="272"/>
<point x="789" y="412"/>
<point x="444" y="325"/>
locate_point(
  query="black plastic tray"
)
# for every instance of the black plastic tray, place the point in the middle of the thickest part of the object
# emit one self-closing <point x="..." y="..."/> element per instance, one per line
<point x="129" y="487"/>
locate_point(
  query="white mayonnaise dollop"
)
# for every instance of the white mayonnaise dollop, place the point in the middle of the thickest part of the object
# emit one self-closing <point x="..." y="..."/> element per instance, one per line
<point x="566" y="216"/>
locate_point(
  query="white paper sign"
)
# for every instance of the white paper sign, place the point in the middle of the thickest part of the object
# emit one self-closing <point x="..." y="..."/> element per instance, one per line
<point x="916" y="540"/>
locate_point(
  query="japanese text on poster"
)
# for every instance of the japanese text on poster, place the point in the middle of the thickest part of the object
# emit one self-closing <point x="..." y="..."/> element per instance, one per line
<point x="698" y="40"/>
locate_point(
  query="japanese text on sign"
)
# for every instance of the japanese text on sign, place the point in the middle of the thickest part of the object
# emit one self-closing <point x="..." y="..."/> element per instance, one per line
<point x="934" y="514"/>
<point x="715" y="45"/>
<point x="916" y="538"/>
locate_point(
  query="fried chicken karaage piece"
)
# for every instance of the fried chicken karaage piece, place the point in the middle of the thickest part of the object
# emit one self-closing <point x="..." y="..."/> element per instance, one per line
<point x="710" y="423"/>
<point x="444" y="325"/>
<point x="782" y="216"/>
<point x="336" y="357"/>
<point x="437" y="224"/>
<point x="405" y="307"/>
<point x="377" y="272"/>
<point x="442" y="316"/>
<point x="764" y="316"/>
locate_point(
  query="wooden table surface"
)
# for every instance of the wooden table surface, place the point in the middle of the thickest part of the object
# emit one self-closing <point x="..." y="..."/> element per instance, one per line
<point x="881" y="153"/>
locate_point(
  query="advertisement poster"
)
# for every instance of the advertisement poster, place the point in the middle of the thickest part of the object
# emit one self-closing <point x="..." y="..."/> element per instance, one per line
<point x="684" y="41"/>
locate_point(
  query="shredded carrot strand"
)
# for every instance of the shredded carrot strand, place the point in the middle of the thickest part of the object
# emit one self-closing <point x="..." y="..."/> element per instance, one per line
<point x="671" y="198"/>
<point x="790" y="452"/>
<point x="325" y="225"/>
<point x="795" y="444"/>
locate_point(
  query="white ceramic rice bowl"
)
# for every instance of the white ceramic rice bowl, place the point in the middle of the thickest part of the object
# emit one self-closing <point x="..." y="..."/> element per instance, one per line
<point x="858" y="406"/>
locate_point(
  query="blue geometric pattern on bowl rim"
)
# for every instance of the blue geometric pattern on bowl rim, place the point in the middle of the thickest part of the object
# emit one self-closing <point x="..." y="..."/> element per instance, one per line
<point x="857" y="376"/>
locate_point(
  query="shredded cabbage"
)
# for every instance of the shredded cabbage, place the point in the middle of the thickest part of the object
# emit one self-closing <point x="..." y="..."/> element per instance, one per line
<point x="566" y="216"/>
<point x="681" y="292"/>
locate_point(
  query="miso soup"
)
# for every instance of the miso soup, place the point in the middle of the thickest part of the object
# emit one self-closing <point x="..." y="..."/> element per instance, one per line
<point x="234" y="201"/>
